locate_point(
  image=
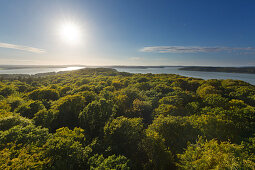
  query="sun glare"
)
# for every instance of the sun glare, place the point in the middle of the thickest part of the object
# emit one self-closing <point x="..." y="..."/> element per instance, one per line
<point x="70" y="33"/>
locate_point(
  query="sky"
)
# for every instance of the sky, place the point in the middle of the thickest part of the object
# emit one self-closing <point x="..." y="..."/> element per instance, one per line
<point x="127" y="32"/>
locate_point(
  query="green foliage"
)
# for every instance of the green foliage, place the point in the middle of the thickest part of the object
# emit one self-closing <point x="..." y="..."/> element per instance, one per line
<point x="124" y="135"/>
<point x="163" y="88"/>
<point x="167" y="109"/>
<point x="104" y="119"/>
<point x="44" y="118"/>
<point x="216" y="100"/>
<point x="171" y="130"/>
<point x="66" y="111"/>
<point x="82" y="81"/>
<point x="214" y="155"/>
<point x="142" y="109"/>
<point x="94" y="117"/>
<point x="7" y="91"/>
<point x="30" y="108"/>
<point x="249" y="146"/>
<point x="4" y="106"/>
<point x="44" y="94"/>
<point x="14" y="102"/>
<point x="13" y="120"/>
<point x="23" y="135"/>
<point x="159" y="156"/>
<point x="98" y="162"/>
<point x="65" y="149"/>
<point x="89" y="96"/>
<point x="27" y="157"/>
<point x="117" y="84"/>
<point x="64" y="90"/>
<point x="217" y="127"/>
<point x="205" y="90"/>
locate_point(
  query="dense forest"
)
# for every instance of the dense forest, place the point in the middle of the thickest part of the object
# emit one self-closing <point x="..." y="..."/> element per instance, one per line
<point x="104" y="119"/>
<point x="250" y="70"/>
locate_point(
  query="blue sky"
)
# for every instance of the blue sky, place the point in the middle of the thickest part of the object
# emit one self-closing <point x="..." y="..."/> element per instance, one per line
<point x="129" y="32"/>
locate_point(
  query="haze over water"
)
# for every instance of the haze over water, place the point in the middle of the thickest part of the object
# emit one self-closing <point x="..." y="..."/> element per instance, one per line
<point x="38" y="70"/>
<point x="250" y="78"/>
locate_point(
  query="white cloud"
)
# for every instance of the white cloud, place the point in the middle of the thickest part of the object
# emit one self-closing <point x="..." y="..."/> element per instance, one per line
<point x="21" y="47"/>
<point x="192" y="49"/>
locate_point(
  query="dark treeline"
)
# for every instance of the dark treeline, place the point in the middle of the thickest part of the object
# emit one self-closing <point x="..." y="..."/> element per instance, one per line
<point x="104" y="119"/>
<point x="250" y="70"/>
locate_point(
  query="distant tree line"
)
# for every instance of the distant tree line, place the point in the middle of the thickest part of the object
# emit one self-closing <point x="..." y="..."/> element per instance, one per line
<point x="250" y="70"/>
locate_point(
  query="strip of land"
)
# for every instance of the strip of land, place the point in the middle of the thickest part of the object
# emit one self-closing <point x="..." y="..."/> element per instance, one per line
<point x="250" y="70"/>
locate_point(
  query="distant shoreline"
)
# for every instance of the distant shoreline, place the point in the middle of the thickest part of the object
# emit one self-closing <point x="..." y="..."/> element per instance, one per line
<point x="248" y="70"/>
<point x="10" y="67"/>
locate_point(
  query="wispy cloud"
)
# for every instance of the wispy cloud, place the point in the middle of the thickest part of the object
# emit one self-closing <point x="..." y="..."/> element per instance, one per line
<point x="21" y="47"/>
<point x="193" y="49"/>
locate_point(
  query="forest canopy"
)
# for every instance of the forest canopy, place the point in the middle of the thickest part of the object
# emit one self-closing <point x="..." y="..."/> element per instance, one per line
<point x="99" y="118"/>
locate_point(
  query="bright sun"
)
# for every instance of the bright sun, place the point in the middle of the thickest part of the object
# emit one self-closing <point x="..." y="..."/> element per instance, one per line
<point x="70" y="33"/>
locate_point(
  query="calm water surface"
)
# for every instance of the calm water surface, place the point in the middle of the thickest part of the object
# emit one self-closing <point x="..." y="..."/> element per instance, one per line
<point x="250" y="78"/>
<point x="38" y="70"/>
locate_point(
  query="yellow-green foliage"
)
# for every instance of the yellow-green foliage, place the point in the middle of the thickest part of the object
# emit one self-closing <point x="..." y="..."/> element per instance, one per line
<point x="215" y="155"/>
<point x="98" y="118"/>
